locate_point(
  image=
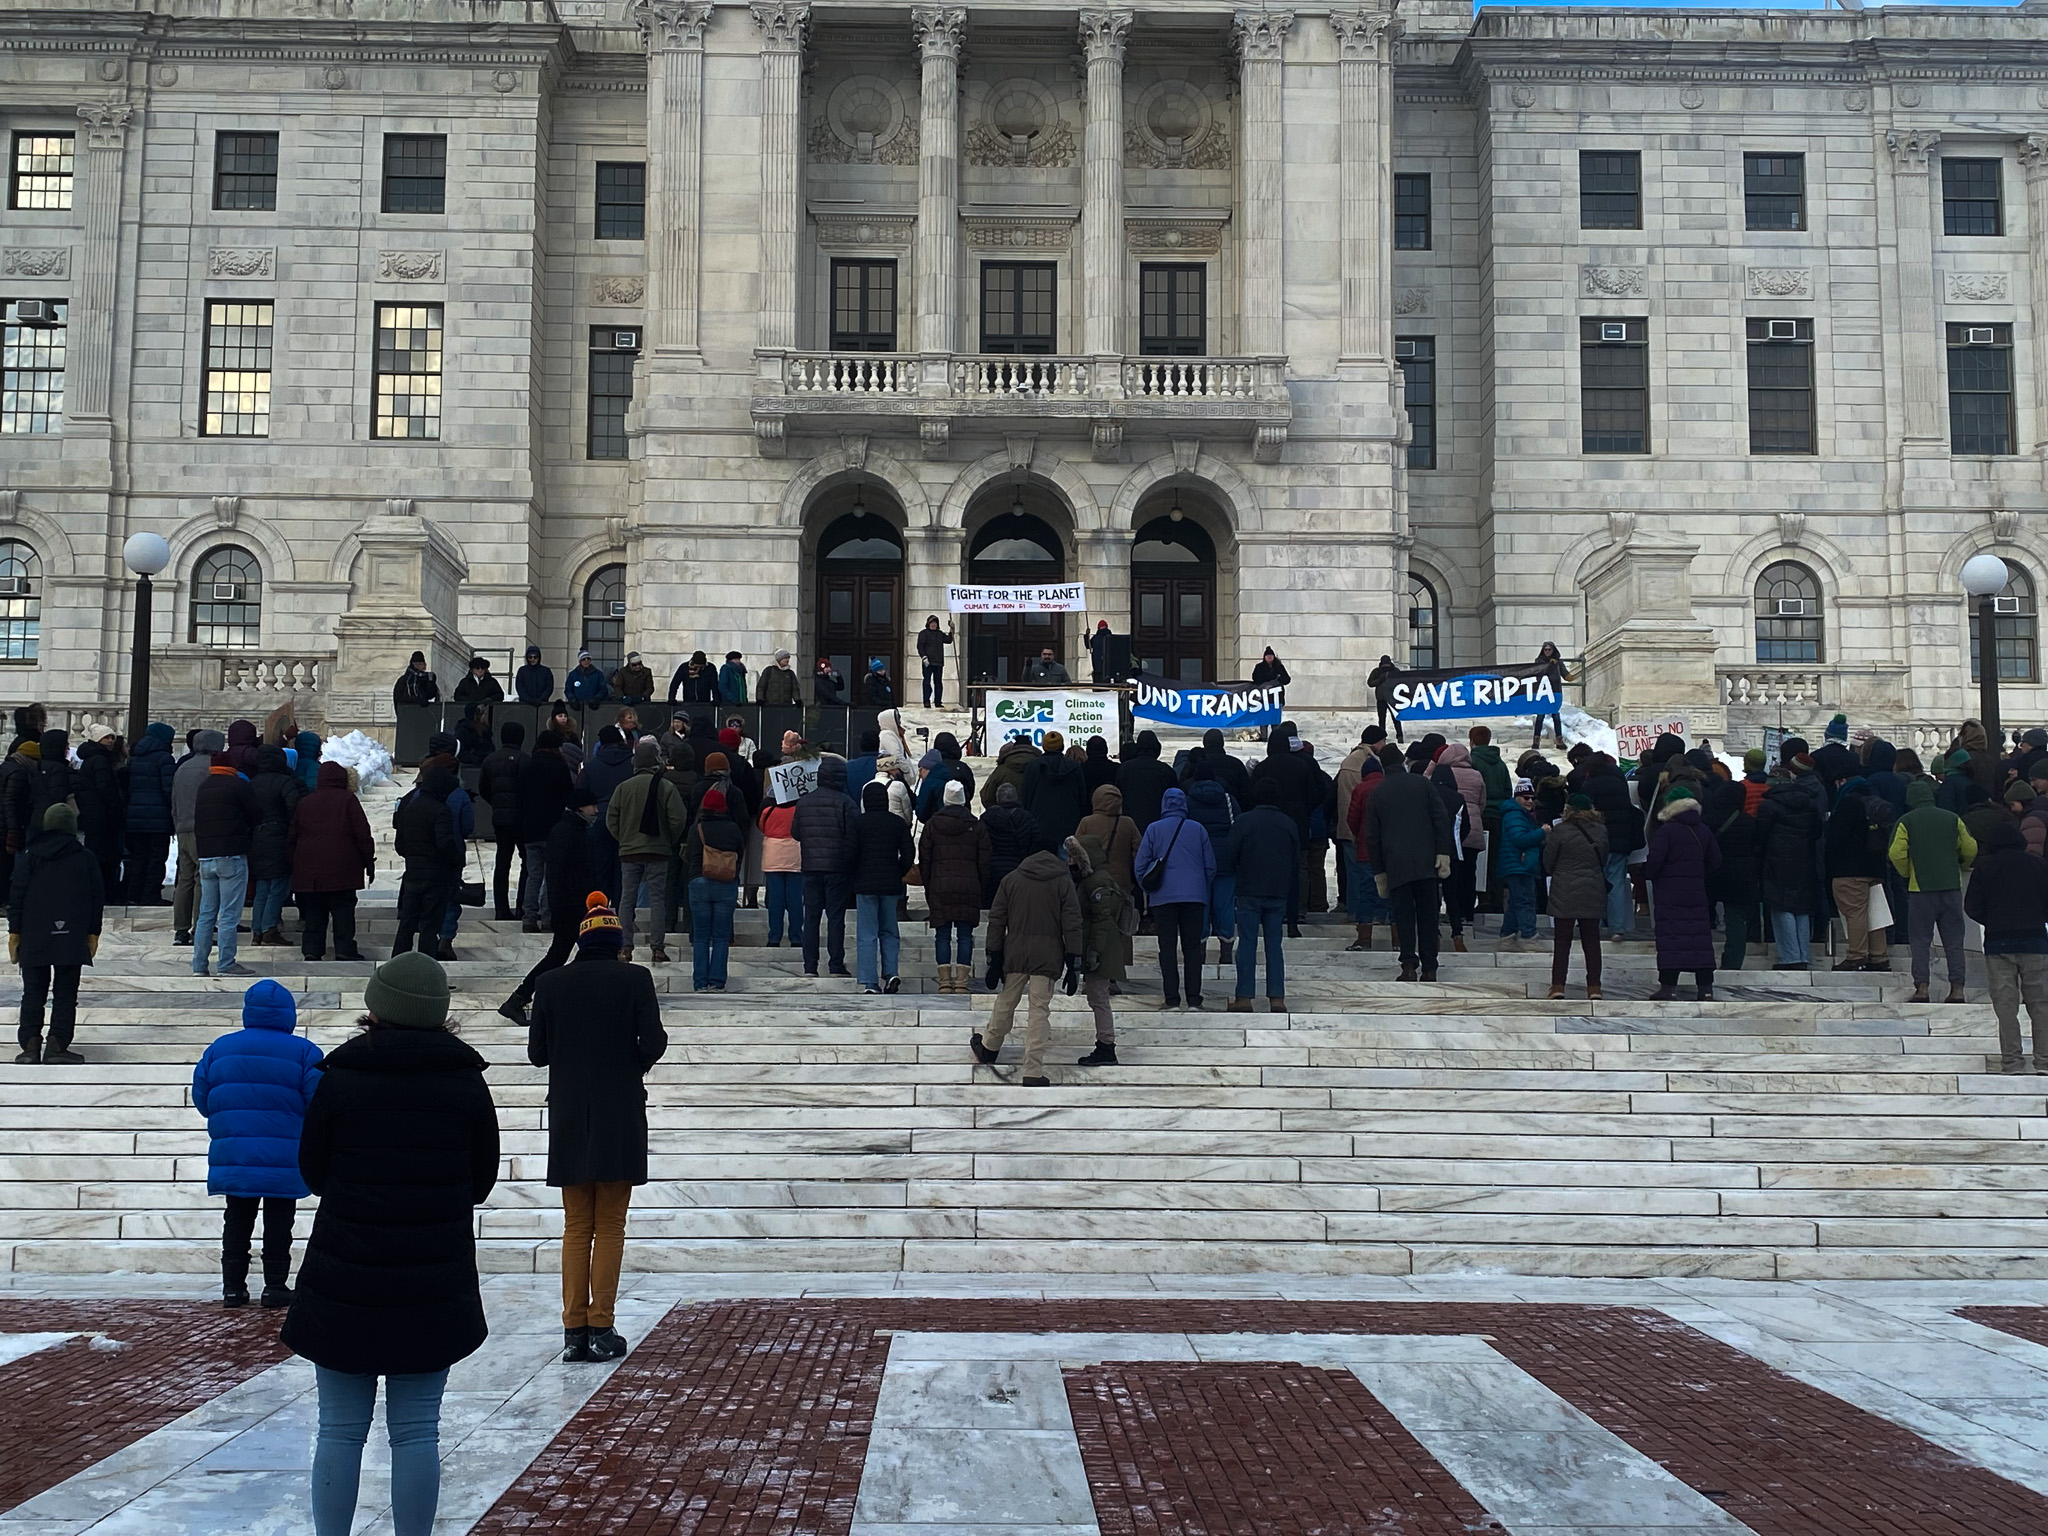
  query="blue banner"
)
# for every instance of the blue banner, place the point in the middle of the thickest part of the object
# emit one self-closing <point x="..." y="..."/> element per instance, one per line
<point x="1470" y="694"/>
<point x="1198" y="706"/>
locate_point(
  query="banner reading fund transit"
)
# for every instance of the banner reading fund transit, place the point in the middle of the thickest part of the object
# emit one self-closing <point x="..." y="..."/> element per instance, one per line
<point x="1464" y="695"/>
<point x="1198" y="706"/>
<point x="1065" y="597"/>
<point x="1076" y="714"/>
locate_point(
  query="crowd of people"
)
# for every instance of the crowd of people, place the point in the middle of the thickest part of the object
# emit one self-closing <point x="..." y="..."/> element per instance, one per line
<point x="698" y="680"/>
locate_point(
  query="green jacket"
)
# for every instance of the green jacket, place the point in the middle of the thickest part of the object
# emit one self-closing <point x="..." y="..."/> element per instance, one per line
<point x="1103" y="946"/>
<point x="628" y="809"/>
<point x="1931" y="847"/>
<point x="1500" y="784"/>
<point x="777" y="685"/>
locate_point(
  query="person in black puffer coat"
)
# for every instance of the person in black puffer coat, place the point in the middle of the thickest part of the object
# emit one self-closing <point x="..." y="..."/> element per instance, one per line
<point x="1145" y="779"/>
<point x="401" y="1145"/>
<point x="1012" y="838"/>
<point x="55" y="779"/>
<point x="277" y="792"/>
<point x="1054" y="792"/>
<point x="823" y="829"/>
<point x="498" y="787"/>
<point x="1100" y="768"/>
<point x="53" y="931"/>
<point x="1788" y="835"/>
<point x="150" y="827"/>
<point x="543" y="787"/>
<point x="102" y="809"/>
<point x="424" y="837"/>
<point x="1734" y="884"/>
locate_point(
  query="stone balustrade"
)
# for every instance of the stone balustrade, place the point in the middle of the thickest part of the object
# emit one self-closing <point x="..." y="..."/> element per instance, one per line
<point x="1038" y="378"/>
<point x="280" y="676"/>
<point x="1765" y="687"/>
<point x="850" y="373"/>
<point x="1192" y="378"/>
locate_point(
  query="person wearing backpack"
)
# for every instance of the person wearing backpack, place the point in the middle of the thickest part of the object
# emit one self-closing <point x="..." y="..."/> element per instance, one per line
<point x="1854" y="842"/>
<point x="712" y="860"/>
<point x="1104" y="909"/>
<point x="1176" y="865"/>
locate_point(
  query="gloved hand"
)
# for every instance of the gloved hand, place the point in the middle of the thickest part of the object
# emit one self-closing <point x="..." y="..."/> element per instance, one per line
<point x="1091" y="960"/>
<point x="14" y="949"/>
<point x="995" y="970"/>
<point x="1443" y="866"/>
<point x="1382" y="885"/>
<point x="1072" y="981"/>
<point x="92" y="946"/>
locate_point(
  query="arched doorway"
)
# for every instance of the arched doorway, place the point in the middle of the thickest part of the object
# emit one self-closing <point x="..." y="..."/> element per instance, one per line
<point x="1173" y="599"/>
<point x="1012" y="548"/>
<point x="860" y="594"/>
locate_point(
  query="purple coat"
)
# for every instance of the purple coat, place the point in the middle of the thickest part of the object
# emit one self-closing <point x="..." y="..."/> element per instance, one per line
<point x="1683" y="853"/>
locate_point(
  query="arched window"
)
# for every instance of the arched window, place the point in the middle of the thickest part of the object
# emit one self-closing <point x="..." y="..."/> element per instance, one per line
<point x="21" y="601"/>
<point x="2012" y="632"/>
<point x="1788" y="622"/>
<point x="604" y="617"/>
<point x="1425" y="637"/>
<point x="227" y="599"/>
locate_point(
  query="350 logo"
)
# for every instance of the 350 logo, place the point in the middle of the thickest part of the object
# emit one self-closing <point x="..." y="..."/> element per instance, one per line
<point x="1023" y="711"/>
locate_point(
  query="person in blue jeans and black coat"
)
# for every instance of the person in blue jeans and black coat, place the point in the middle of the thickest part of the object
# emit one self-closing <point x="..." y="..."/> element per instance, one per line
<point x="254" y="1085"/>
<point x="883" y="854"/>
<point x="1264" y="852"/>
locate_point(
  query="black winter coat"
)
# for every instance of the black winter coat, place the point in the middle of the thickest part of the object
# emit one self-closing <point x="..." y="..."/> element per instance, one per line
<point x="1683" y="858"/>
<point x="567" y="862"/>
<point x="1787" y="833"/>
<point x="497" y="785"/>
<point x="1847" y="838"/>
<point x="424" y="830"/>
<point x="150" y="772"/>
<point x="544" y="782"/>
<point x="1263" y="851"/>
<point x="1735" y="882"/>
<point x="277" y="792"/>
<point x="2008" y="892"/>
<point x="1012" y="838"/>
<point x="1608" y="791"/>
<point x="1144" y="782"/>
<point x="19" y="779"/>
<point x="1297" y="778"/>
<point x="1056" y="794"/>
<point x="1230" y="773"/>
<point x="56" y="901"/>
<point x="223" y="816"/>
<point x="401" y="1145"/>
<point x="597" y="1029"/>
<point x="1406" y="827"/>
<point x="882" y="853"/>
<point x="102" y="808"/>
<point x="824" y="822"/>
<point x="534" y="683"/>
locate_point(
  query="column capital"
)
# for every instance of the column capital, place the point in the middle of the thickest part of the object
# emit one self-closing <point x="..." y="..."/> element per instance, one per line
<point x="1911" y="149"/>
<point x="2034" y="154"/>
<point x="668" y="26"/>
<point x="784" y="24"/>
<point x="1261" y="34"/>
<point x="939" y="30"/>
<point x="106" y="123"/>
<point x="1103" y="33"/>
<point x="1362" y="32"/>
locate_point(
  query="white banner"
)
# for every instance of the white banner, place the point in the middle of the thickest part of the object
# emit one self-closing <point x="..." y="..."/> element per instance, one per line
<point x="793" y="779"/>
<point x="1076" y="714"/>
<point x="1635" y="737"/>
<point x="1067" y="598"/>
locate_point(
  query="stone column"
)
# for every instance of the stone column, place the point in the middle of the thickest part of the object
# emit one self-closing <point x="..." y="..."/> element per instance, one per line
<point x="939" y="31"/>
<point x="89" y="344"/>
<point x="783" y="24"/>
<point x="1920" y="346"/>
<point x="1102" y="208"/>
<point x="1260" y="37"/>
<point x="673" y="31"/>
<point x="2034" y="156"/>
<point x="1365" y="149"/>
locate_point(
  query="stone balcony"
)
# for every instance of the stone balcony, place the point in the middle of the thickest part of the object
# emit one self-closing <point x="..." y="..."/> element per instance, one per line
<point x="887" y="391"/>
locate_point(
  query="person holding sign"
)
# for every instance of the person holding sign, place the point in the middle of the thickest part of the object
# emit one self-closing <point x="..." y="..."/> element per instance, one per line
<point x="931" y="656"/>
<point x="1552" y="663"/>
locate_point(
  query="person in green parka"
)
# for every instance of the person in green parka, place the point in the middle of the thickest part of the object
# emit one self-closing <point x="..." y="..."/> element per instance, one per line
<point x="1103" y="944"/>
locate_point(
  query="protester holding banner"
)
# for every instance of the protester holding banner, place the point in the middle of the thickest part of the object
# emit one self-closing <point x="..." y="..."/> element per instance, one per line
<point x="1382" y="680"/>
<point x="1271" y="672"/>
<point x="931" y="655"/>
<point x="1551" y="660"/>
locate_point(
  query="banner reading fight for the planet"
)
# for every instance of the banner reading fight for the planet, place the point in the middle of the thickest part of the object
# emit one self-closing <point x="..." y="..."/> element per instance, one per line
<point x="1464" y="695"/>
<point x="1066" y="597"/>
<point x="1198" y="706"/>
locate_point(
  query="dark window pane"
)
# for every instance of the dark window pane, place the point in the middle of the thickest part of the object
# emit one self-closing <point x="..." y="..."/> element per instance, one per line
<point x="40" y="174"/>
<point x="1788" y="617"/>
<point x="1774" y="191"/>
<point x="237" y="383"/>
<point x="1152" y="610"/>
<point x="1610" y="189"/>
<point x="604" y="617"/>
<point x="245" y="170"/>
<point x="1411" y="213"/>
<point x="2015" y="636"/>
<point x="863" y="306"/>
<point x="408" y="371"/>
<point x="611" y="391"/>
<point x="415" y="172"/>
<point x="1423" y="647"/>
<point x="1017" y="306"/>
<point x="1191" y="610"/>
<point x="1781" y="410"/>
<point x="1614" y="385"/>
<point x="839" y="606"/>
<point x="1970" y="198"/>
<point x="227" y="599"/>
<point x="32" y="372"/>
<point x="1980" y="399"/>
<point x="21" y="601"/>
<point x="1417" y="357"/>
<point x="1172" y="310"/>
<point x="622" y="201"/>
<point x="881" y="605"/>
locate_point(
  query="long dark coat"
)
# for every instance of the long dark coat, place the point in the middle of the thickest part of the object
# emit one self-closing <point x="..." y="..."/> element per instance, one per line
<point x="277" y="793"/>
<point x="1683" y="854"/>
<point x="1575" y="857"/>
<point x="1734" y="883"/>
<point x="330" y="846"/>
<point x="401" y="1146"/>
<point x="1012" y="838"/>
<point x="597" y="1029"/>
<point x="954" y="858"/>
<point x="57" y="900"/>
<point x="1788" y="832"/>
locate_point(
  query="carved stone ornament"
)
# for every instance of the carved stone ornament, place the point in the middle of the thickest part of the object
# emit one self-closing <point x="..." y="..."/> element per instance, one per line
<point x="1978" y="288"/>
<point x="1523" y="96"/>
<point x="10" y="505"/>
<point x="1361" y="33"/>
<point x="1103" y="33"/>
<point x="938" y="30"/>
<point x="1791" y="528"/>
<point x="1167" y="236"/>
<point x="112" y="69"/>
<point x="1857" y="101"/>
<point x="2005" y="524"/>
<point x="784" y="24"/>
<point x="505" y="81"/>
<point x="1691" y="97"/>
<point x="43" y="261"/>
<point x="1614" y="282"/>
<point x="334" y="77"/>
<point x="1781" y="282"/>
<point x="1269" y="441"/>
<point x="855" y="446"/>
<point x="409" y="266"/>
<point x="1174" y="126"/>
<point x="1411" y="301"/>
<point x="1018" y="233"/>
<point x="1022" y="128"/>
<point x="855" y="231"/>
<point x="865" y="122"/>
<point x="398" y="506"/>
<point x="165" y="75"/>
<point x="1108" y="438"/>
<point x="771" y="435"/>
<point x="106" y="123"/>
<point x="625" y="291"/>
<point x="1621" y="526"/>
<point x="1261" y="34"/>
<point x="241" y="261"/>
<point x="936" y="434"/>
<point x="227" y="512"/>
<point x="668" y="25"/>
<point x="2034" y="148"/>
<point x="2041" y="96"/>
<point x="1910" y="148"/>
<point x="1908" y="96"/>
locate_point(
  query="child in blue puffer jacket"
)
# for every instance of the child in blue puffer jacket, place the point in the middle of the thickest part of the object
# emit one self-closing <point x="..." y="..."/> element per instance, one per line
<point x="1521" y="861"/>
<point x="253" y="1086"/>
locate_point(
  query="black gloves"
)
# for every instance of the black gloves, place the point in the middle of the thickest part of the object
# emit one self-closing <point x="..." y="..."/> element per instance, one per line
<point x="995" y="969"/>
<point x="1072" y="983"/>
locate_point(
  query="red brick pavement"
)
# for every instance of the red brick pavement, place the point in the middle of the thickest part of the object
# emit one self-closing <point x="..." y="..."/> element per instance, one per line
<point x="2029" y="1323"/>
<point x="65" y="1408"/>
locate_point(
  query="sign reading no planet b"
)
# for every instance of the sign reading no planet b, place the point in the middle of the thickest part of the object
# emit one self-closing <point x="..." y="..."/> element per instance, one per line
<point x="1200" y="706"/>
<point x="1068" y="597"/>
<point x="1469" y="694"/>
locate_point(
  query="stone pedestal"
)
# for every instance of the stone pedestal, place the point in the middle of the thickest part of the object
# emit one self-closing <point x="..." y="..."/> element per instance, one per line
<point x="404" y="600"/>
<point x="1649" y="656"/>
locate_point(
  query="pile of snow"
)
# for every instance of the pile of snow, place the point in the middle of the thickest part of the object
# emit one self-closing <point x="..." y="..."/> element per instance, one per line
<point x="370" y="759"/>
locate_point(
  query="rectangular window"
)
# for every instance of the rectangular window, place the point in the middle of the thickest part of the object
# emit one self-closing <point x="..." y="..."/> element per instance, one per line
<point x="1173" y="310"/>
<point x="1610" y="189"/>
<point x="1980" y="419"/>
<point x="237" y="384"/>
<point x="32" y="357"/>
<point x="863" y="306"/>
<point x="1017" y="307"/>
<point x="1411" y="213"/>
<point x="245" y="170"/>
<point x="415" y="172"/>
<point x="1774" y="191"/>
<point x="1417" y="357"/>
<point x="622" y="201"/>
<point x="40" y="174"/>
<point x="611" y="390"/>
<point x="408" y="371"/>
<point x="1970" y="198"/>
<point x="1781" y="418"/>
<point x="1614" y="385"/>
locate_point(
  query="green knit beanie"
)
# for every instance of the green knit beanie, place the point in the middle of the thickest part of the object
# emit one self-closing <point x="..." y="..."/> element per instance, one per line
<point x="1754" y="759"/>
<point x="1679" y="792"/>
<point x="60" y="818"/>
<point x="410" y="990"/>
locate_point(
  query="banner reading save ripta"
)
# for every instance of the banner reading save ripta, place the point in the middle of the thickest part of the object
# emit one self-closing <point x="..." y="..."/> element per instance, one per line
<point x="1463" y="695"/>
<point x="1198" y="706"/>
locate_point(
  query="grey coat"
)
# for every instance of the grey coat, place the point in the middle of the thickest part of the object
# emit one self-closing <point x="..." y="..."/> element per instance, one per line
<point x="1575" y="859"/>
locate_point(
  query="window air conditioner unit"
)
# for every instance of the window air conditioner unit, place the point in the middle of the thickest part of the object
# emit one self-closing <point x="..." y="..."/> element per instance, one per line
<point x="227" y="591"/>
<point x="1613" y="332"/>
<point x="1981" y="335"/>
<point x="1404" y="349"/>
<point x="625" y="341"/>
<point x="1791" y="607"/>
<point x="618" y="608"/>
<point x="16" y="586"/>
<point x="35" y="312"/>
<point x="1784" y="330"/>
<point x="2005" y="605"/>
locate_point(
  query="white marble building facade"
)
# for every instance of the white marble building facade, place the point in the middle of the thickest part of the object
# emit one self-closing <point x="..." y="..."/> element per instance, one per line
<point x="697" y="325"/>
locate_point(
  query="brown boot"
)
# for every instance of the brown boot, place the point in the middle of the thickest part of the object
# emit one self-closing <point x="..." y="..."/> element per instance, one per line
<point x="1276" y="1005"/>
<point x="1239" y="1005"/>
<point x="1458" y="944"/>
<point x="1919" y="994"/>
<point x="1955" y="995"/>
<point x="1364" y="939"/>
<point x="1593" y="990"/>
<point x="1556" y="989"/>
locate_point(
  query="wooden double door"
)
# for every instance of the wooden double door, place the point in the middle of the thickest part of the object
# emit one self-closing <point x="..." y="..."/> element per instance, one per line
<point x="860" y="615"/>
<point x="1173" y="623"/>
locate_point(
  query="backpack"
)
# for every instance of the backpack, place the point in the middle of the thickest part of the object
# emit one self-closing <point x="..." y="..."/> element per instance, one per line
<point x="1882" y="819"/>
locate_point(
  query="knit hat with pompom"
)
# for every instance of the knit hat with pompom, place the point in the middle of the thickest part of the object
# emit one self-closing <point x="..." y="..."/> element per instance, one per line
<point x="600" y="928"/>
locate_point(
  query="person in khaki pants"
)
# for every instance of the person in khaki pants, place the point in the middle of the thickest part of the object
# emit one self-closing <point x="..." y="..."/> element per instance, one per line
<point x="1034" y="933"/>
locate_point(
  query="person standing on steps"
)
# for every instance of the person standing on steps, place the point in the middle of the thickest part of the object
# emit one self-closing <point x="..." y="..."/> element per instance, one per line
<point x="533" y="683"/>
<point x="416" y="685"/>
<point x="498" y="787"/>
<point x="424" y="837"/>
<point x="1176" y="865"/>
<point x="401" y="1145"/>
<point x="193" y="769"/>
<point x="1362" y="897"/>
<point x="331" y="854"/>
<point x="1550" y="662"/>
<point x="1213" y="808"/>
<point x="828" y="685"/>
<point x="647" y="819"/>
<point x="566" y="859"/>
<point x="1054" y="791"/>
<point x="712" y="858"/>
<point x="542" y="787"/>
<point x="596" y="1030"/>
<point x="1932" y="848"/>
<point x="1408" y="841"/>
<point x="1383" y="680"/>
<point x="883" y="854"/>
<point x="1271" y="672"/>
<point x="1683" y="857"/>
<point x="1733" y="885"/>
<point x="954" y="856"/>
<point x="823" y="829"/>
<point x="931" y="656"/>
<point x="1298" y="788"/>
<point x="1012" y="837"/>
<point x="1103" y="902"/>
<point x="151" y="774"/>
<point x="2008" y="894"/>
<point x="1856" y="843"/>
<point x="254" y="1085"/>
<point x="1263" y="855"/>
<point x="54" y="910"/>
<point x="1034" y="934"/>
<point x="1788" y="838"/>
<point x="1464" y="792"/>
<point x="782" y="873"/>
<point x="1521" y="861"/>
<point x="277" y="793"/>
<point x="878" y="688"/>
<point x="1574" y="856"/>
<point x="223" y="820"/>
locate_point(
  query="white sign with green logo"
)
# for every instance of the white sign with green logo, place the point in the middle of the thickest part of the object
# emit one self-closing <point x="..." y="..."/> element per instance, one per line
<point x="1076" y="713"/>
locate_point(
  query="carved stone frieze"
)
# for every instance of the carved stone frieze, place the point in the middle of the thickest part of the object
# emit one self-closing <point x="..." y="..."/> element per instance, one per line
<point x="1054" y="145"/>
<point x="1175" y="126"/>
<point x="2005" y="524"/>
<point x="241" y="261"/>
<point x="1791" y="528"/>
<point x="1411" y="301"/>
<point x="410" y="266"/>
<point x="1020" y="234"/>
<point x="1977" y="288"/>
<point x="1614" y="282"/>
<point x="865" y="122"/>
<point x="1171" y="235"/>
<point x="36" y="261"/>
<point x="857" y="231"/>
<point x="618" y="291"/>
<point x="1781" y="282"/>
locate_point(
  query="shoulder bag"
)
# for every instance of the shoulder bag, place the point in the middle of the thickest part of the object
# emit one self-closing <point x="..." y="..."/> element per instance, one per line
<point x="1155" y="873"/>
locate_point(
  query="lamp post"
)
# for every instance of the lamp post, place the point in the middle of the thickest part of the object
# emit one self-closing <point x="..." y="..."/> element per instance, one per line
<point x="145" y="554"/>
<point x="1984" y="577"/>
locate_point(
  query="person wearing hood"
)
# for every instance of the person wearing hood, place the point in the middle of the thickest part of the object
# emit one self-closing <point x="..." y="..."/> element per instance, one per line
<point x="1682" y="858"/>
<point x="542" y="787"/>
<point x="533" y="683"/>
<point x="1103" y="959"/>
<point x="1012" y="758"/>
<point x="331" y="855"/>
<point x="1271" y="672"/>
<point x="1298" y="785"/>
<point x="426" y="840"/>
<point x="565" y="863"/>
<point x="497" y="786"/>
<point x="646" y="819"/>
<point x="1521" y="861"/>
<point x="20" y="775"/>
<point x="1881" y="769"/>
<point x="54" y="909"/>
<point x="955" y="857"/>
<point x="1932" y="848"/>
<point x="950" y="768"/>
<point x="1034" y="936"/>
<point x="2008" y="895"/>
<point x="224" y="820"/>
<point x="1263" y="855"/>
<point x="1788" y="833"/>
<point x="633" y="682"/>
<point x="1407" y="833"/>
<point x="1383" y="680"/>
<point x="277" y="793"/>
<point x="1362" y="896"/>
<point x="877" y="687"/>
<point x="824" y="833"/>
<point x="1230" y="773"/>
<point x="1216" y="811"/>
<point x="473" y="737"/>
<point x="102" y="808"/>
<point x="2026" y="797"/>
<point x="1097" y="766"/>
<point x="1012" y="837"/>
<point x="1464" y="794"/>
<point x="2028" y="753"/>
<point x="883" y="854"/>
<point x="254" y="1085"/>
<point x="1855" y="844"/>
<point x="1176" y="862"/>
<point x="401" y="1145"/>
<point x="1118" y="833"/>
<point x="1983" y="764"/>
<point x="416" y="686"/>
<point x="192" y="772"/>
<point x="56" y="781"/>
<point x="478" y="686"/>
<point x="152" y="775"/>
<point x="931" y="656"/>
<point x="596" y="1031"/>
<point x="569" y="731"/>
<point x="1573" y="856"/>
<point x="1145" y="777"/>
<point x="1054" y="791"/>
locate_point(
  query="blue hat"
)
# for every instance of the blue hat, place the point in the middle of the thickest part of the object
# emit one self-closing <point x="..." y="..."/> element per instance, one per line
<point x="270" y="1005"/>
<point x="874" y="664"/>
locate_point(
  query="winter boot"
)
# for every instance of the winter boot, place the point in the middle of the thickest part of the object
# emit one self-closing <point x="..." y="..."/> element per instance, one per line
<point x="1429" y="973"/>
<point x="31" y="1052"/>
<point x="514" y="1007"/>
<point x="1955" y="995"/>
<point x="576" y="1345"/>
<point x="657" y="956"/>
<point x="605" y="1344"/>
<point x="1664" y="995"/>
<point x="1294" y="930"/>
<point x="232" y="1295"/>
<point x="1104" y="1055"/>
<point x="64" y="1056"/>
<point x="1407" y="973"/>
<point x="981" y="1052"/>
<point x="1223" y="952"/>
<point x="1239" y="1005"/>
<point x="275" y="1296"/>
<point x="1276" y="1005"/>
<point x="1919" y="994"/>
<point x="1556" y="991"/>
<point x="1364" y="939"/>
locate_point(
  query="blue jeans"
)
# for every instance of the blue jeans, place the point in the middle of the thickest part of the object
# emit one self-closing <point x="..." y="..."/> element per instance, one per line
<point x="943" y="943"/>
<point x="222" y="883"/>
<point x="1256" y="915"/>
<point x="711" y="904"/>
<point x="875" y="920"/>
<point x="785" y="900"/>
<point x="1361" y="896"/>
<point x="1223" y="907"/>
<point x="1518" y="917"/>
<point x="1794" y="934"/>
<point x="412" y="1414"/>
<point x="267" y="904"/>
<point x="1621" y="900"/>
